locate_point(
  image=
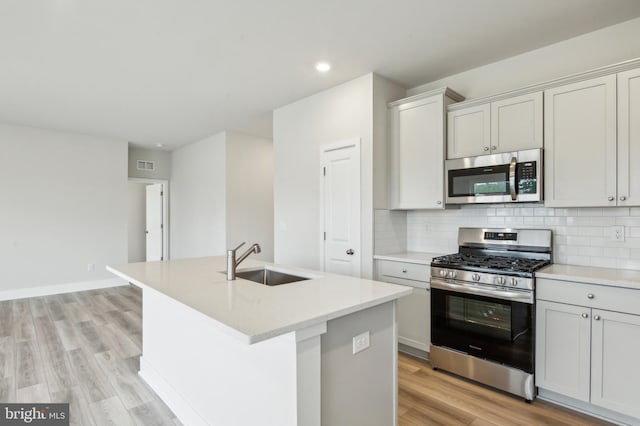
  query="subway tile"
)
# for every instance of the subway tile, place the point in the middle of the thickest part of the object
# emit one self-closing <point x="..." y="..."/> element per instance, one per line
<point x="534" y="220"/>
<point x="590" y="212"/>
<point x="590" y="251"/>
<point x="633" y="231"/>
<point x="526" y="211"/>
<point x="616" y="211"/>
<point x="512" y="220"/>
<point x="504" y="212"/>
<point x="566" y="212"/>
<point x="628" y="264"/>
<point x="602" y="220"/>
<point x="555" y="220"/>
<point x="579" y="260"/>
<point x="634" y="253"/>
<point x="604" y="262"/>
<point x="591" y="231"/>
<point x="543" y="211"/>
<point x="566" y="250"/>
<point x="559" y="239"/>
<point x="578" y="240"/>
<point x="634" y="211"/>
<point x="495" y="220"/>
<point x="628" y="221"/>
<point x="617" y="252"/>
<point x="576" y="221"/>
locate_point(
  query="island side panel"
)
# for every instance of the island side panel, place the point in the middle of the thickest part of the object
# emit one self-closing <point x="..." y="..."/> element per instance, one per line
<point x="208" y="377"/>
<point x="361" y="388"/>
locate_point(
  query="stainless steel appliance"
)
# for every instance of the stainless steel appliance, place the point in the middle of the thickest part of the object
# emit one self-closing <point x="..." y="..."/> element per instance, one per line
<point x="482" y="306"/>
<point x="498" y="178"/>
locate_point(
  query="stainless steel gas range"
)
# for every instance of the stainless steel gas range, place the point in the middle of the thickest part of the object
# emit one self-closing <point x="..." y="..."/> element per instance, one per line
<point x="482" y="306"/>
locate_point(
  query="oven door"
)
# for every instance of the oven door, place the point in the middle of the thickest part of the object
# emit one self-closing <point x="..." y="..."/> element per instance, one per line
<point x="498" y="329"/>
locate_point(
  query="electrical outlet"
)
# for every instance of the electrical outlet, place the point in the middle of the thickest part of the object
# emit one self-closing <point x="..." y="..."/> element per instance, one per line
<point x="360" y="342"/>
<point x="616" y="233"/>
<point x="91" y="267"/>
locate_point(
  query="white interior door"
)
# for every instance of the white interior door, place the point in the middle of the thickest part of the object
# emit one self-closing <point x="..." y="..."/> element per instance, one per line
<point x="341" y="208"/>
<point x="155" y="221"/>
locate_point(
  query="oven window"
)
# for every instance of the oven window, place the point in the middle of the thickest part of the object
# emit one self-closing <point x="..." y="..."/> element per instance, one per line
<point x="479" y="181"/>
<point x="494" y="319"/>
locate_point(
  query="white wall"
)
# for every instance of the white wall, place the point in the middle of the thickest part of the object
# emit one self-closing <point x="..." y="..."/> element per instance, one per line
<point x="63" y="206"/>
<point x="299" y="129"/>
<point x="221" y="195"/>
<point x="197" y="199"/>
<point x="162" y="161"/>
<point x="249" y="192"/>
<point x="137" y="222"/>
<point x="607" y="46"/>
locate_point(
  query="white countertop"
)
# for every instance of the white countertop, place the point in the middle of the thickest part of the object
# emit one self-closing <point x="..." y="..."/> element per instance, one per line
<point x="420" y="258"/>
<point x="592" y="275"/>
<point x="254" y="312"/>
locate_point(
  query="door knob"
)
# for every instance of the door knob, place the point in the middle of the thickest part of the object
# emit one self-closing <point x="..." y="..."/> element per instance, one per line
<point x="622" y="198"/>
<point x="486" y="148"/>
<point x="596" y="317"/>
<point x="611" y="198"/>
<point x="585" y="315"/>
<point x="350" y="252"/>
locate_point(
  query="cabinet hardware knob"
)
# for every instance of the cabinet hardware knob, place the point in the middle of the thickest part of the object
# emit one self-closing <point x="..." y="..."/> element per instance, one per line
<point x="438" y="202"/>
<point x="596" y="317"/>
<point x="590" y="296"/>
<point x="611" y="198"/>
<point x="350" y="252"/>
<point x="486" y="148"/>
<point x="404" y="271"/>
<point x="622" y="198"/>
<point x="493" y="148"/>
<point x="585" y="315"/>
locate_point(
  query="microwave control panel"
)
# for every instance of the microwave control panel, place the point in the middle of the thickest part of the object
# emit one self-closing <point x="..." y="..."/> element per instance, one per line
<point x="527" y="178"/>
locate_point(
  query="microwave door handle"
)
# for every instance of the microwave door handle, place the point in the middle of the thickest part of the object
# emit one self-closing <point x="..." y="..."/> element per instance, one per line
<point x="512" y="178"/>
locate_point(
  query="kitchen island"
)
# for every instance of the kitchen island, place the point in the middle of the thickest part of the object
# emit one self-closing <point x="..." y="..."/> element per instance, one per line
<point x="237" y="352"/>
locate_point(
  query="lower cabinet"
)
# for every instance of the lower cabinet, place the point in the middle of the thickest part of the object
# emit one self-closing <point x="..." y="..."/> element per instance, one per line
<point x="414" y="311"/>
<point x="588" y="352"/>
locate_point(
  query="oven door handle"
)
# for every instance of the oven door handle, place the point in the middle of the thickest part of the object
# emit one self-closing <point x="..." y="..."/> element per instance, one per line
<point x="516" y="296"/>
<point x="512" y="178"/>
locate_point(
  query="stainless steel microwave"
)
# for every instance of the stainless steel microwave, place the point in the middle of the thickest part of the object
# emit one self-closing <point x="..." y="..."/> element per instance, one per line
<point x="497" y="178"/>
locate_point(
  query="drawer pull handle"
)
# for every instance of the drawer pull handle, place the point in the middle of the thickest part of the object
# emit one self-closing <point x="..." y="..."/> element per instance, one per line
<point x="596" y="317"/>
<point x="590" y="296"/>
<point x="584" y="315"/>
<point x="404" y="271"/>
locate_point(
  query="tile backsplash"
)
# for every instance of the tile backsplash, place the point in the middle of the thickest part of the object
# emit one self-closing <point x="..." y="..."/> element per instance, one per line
<point x="582" y="236"/>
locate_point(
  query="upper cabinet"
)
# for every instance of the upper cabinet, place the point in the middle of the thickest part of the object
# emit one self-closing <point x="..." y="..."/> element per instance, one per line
<point x="629" y="138"/>
<point x="505" y="125"/>
<point x="417" y="144"/>
<point x="592" y="137"/>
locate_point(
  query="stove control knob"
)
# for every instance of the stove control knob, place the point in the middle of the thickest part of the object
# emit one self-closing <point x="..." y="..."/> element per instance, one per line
<point x="475" y="277"/>
<point x="514" y="282"/>
<point x="501" y="280"/>
<point x="452" y="274"/>
<point x="443" y="273"/>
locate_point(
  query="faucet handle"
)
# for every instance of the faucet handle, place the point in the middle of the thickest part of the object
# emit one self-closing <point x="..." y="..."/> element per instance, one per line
<point x="241" y="244"/>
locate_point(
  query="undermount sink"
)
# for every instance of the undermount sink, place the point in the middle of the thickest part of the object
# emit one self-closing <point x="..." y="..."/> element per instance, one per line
<point x="268" y="276"/>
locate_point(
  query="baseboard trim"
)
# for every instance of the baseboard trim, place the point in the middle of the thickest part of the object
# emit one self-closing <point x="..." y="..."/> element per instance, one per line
<point x="21" y="293"/>
<point x="180" y="407"/>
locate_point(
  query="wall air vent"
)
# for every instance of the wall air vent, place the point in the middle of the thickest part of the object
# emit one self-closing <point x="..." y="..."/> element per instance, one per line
<point x="147" y="166"/>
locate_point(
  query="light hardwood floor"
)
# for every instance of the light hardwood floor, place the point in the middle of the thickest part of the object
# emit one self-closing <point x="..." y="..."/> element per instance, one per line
<point x="84" y="348"/>
<point x="428" y="397"/>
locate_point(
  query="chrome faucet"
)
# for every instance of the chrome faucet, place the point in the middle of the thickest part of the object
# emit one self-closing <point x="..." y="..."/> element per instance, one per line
<point x="232" y="262"/>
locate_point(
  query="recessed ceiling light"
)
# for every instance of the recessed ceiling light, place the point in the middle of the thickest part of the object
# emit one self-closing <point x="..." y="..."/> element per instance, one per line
<point x="323" y="66"/>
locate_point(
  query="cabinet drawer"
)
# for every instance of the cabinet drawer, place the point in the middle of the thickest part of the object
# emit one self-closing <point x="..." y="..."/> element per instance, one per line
<point x="404" y="273"/>
<point x="590" y="295"/>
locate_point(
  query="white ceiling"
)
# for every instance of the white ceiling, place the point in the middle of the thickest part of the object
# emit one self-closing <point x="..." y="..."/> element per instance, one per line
<point x="172" y="72"/>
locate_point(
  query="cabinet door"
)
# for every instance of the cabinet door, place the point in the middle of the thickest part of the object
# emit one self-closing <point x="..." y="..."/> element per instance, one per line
<point x="615" y="372"/>
<point x="563" y="346"/>
<point x="469" y="132"/>
<point x="516" y="123"/>
<point x="580" y="144"/>
<point x="413" y="319"/>
<point x="417" y="157"/>
<point x="629" y="138"/>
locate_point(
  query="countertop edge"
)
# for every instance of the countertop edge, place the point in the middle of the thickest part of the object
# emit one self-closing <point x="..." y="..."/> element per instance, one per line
<point x="408" y="257"/>
<point x="591" y="275"/>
